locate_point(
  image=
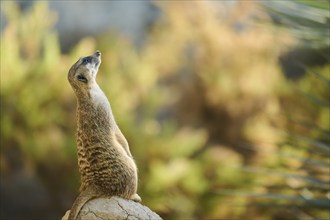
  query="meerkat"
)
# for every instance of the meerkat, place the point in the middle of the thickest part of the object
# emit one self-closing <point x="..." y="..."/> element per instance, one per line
<point x="105" y="162"/>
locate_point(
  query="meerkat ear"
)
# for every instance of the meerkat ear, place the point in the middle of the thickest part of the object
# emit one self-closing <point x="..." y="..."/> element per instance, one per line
<point x="82" y="78"/>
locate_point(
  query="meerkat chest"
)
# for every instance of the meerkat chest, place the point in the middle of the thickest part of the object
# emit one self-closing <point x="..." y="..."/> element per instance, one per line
<point x="98" y="97"/>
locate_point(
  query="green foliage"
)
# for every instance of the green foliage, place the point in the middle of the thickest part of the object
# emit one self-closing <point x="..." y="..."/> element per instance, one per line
<point x="308" y="20"/>
<point x="302" y="183"/>
<point x="31" y="71"/>
<point x="186" y="102"/>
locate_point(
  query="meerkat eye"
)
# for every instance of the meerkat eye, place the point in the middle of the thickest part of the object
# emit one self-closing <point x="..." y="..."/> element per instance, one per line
<point x="82" y="78"/>
<point x="86" y="60"/>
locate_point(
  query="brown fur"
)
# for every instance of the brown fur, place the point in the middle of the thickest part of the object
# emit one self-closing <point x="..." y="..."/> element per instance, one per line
<point x="104" y="159"/>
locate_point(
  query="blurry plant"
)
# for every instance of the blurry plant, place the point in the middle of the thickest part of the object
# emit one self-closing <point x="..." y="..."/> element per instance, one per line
<point x="213" y="89"/>
<point x="25" y="44"/>
<point x="230" y="92"/>
<point x="304" y="190"/>
<point x="199" y="84"/>
<point x="300" y="185"/>
<point x="307" y="20"/>
<point x="37" y="116"/>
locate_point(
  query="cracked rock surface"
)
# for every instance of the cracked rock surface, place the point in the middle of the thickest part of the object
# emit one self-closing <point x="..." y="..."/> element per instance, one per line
<point x="114" y="208"/>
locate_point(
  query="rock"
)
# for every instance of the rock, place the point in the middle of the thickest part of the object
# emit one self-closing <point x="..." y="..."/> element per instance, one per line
<point x="114" y="208"/>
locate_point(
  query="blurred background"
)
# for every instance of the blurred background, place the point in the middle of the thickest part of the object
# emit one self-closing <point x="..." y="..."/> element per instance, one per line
<point x="225" y="104"/>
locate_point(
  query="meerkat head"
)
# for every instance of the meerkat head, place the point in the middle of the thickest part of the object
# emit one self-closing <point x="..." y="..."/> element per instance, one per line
<point x="82" y="74"/>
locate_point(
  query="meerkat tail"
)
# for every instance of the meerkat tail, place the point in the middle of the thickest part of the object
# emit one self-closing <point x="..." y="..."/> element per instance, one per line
<point x="80" y="201"/>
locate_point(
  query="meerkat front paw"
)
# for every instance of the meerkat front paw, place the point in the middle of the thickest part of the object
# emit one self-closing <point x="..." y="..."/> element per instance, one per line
<point x="136" y="198"/>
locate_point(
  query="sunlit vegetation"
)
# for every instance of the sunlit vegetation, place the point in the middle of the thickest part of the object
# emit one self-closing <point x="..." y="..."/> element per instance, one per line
<point x="216" y="129"/>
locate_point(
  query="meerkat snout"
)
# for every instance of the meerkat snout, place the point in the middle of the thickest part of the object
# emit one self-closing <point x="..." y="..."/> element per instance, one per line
<point x="85" y="69"/>
<point x="94" y="59"/>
